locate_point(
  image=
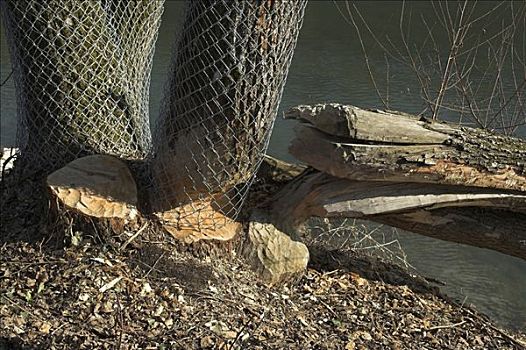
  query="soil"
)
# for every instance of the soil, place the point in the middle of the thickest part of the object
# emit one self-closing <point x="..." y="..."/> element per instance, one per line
<point x="67" y="287"/>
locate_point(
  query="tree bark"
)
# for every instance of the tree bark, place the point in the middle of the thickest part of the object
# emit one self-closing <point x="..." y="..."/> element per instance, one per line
<point x="444" y="181"/>
<point x="75" y="87"/>
<point x="227" y="79"/>
<point x="353" y="143"/>
<point x="491" y="228"/>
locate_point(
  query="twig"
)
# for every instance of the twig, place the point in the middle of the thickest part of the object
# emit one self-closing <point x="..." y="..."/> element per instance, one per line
<point x="328" y="307"/>
<point x="6" y="163"/>
<point x="366" y="57"/>
<point x="110" y="284"/>
<point x="446" y="326"/>
<point x="515" y="93"/>
<point x="153" y="267"/>
<point x="496" y="329"/>
<point x="120" y="320"/>
<point x="18" y="305"/>
<point x="245" y="325"/>
<point x="58" y="328"/>
<point x="133" y="237"/>
<point x="261" y="317"/>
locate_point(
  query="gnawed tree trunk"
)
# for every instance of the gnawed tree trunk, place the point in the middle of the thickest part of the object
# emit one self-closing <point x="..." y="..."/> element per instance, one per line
<point x="454" y="183"/>
<point x="228" y="75"/>
<point x="82" y="77"/>
<point x="81" y="71"/>
<point x="102" y="187"/>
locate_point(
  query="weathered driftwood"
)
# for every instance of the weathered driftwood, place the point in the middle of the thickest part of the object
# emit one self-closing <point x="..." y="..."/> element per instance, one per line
<point x="449" y="182"/>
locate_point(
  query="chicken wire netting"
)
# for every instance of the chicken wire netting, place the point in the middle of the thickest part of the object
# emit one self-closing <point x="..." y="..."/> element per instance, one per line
<point x="82" y="75"/>
<point x="226" y="82"/>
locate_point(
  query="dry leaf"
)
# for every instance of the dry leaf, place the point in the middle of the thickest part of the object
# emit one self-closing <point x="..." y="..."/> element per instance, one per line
<point x="44" y="327"/>
<point x="350" y="345"/>
<point x="110" y="284"/>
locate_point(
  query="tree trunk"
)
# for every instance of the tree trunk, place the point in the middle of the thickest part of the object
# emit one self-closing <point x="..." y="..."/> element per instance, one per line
<point x="228" y="75"/>
<point x="479" y="217"/>
<point x="81" y="71"/>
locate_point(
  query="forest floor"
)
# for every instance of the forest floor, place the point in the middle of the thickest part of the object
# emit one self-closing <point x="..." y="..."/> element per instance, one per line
<point x="67" y="289"/>
<point x="91" y="297"/>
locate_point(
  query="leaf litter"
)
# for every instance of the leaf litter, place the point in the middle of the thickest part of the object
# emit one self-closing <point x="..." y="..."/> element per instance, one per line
<point x="90" y="294"/>
<point x="86" y="304"/>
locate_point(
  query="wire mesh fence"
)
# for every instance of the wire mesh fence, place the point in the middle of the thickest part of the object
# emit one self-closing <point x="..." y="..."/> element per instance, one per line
<point x="228" y="74"/>
<point x="82" y="71"/>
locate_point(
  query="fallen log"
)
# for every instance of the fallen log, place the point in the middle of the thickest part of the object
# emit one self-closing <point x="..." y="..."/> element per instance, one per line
<point x="479" y="217"/>
<point x="445" y="181"/>
<point x="349" y="142"/>
<point x="448" y="182"/>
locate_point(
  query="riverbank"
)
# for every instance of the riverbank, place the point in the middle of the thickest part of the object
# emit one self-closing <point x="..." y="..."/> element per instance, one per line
<point x="94" y="297"/>
<point x="65" y="289"/>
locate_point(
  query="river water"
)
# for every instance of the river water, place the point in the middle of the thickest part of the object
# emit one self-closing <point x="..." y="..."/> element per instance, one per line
<point x="328" y="66"/>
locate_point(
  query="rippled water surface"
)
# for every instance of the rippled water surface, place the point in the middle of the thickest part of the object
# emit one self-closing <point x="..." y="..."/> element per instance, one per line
<point x="328" y="66"/>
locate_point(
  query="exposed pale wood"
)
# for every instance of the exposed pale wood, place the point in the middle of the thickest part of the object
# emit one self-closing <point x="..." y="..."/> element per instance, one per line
<point x="378" y="147"/>
<point x="101" y="186"/>
<point x="453" y="213"/>
<point x="320" y="194"/>
<point x="272" y="253"/>
<point x="356" y="123"/>
<point x="197" y="221"/>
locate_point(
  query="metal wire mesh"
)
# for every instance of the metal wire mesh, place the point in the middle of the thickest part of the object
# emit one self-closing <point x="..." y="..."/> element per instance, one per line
<point x="82" y="72"/>
<point x="226" y="82"/>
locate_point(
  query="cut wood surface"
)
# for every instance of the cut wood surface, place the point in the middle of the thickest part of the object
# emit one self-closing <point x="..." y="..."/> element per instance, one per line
<point x="198" y="220"/>
<point x="328" y="196"/>
<point x="272" y="253"/>
<point x="101" y="186"/>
